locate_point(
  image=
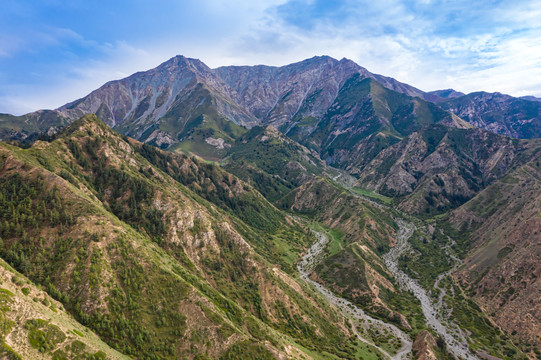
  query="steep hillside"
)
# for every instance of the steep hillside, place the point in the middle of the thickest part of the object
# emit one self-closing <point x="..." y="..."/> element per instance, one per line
<point x="439" y="168"/>
<point x="271" y="162"/>
<point x="502" y="270"/>
<point x="362" y="109"/>
<point x="35" y="326"/>
<point x="136" y="250"/>
<point x="180" y="100"/>
<point x="499" y="113"/>
<point x="275" y="95"/>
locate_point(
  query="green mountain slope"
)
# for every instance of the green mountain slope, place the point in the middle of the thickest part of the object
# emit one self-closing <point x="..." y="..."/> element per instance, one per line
<point x="35" y="326"/>
<point x="271" y="162"/>
<point x="363" y="108"/>
<point x="161" y="255"/>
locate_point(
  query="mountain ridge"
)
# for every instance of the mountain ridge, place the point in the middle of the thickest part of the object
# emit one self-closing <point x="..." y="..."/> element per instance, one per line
<point x="282" y="153"/>
<point x="182" y="103"/>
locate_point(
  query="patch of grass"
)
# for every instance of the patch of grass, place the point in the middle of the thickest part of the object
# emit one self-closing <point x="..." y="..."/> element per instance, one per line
<point x="373" y="195"/>
<point x="247" y="350"/>
<point x="78" y="332"/>
<point x="7" y="353"/>
<point x="336" y="241"/>
<point x="504" y="252"/>
<point x="44" y="336"/>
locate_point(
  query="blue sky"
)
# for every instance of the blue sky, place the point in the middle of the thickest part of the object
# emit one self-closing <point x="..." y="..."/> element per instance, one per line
<point x="52" y="52"/>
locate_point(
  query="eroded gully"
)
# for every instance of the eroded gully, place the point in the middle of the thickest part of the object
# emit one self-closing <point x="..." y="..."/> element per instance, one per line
<point x="453" y="336"/>
<point x="351" y="311"/>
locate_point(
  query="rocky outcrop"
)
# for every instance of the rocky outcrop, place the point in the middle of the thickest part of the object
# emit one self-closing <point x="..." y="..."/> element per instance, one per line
<point x="439" y="168"/>
<point x="499" y="113"/>
<point x="502" y="272"/>
<point x="423" y="346"/>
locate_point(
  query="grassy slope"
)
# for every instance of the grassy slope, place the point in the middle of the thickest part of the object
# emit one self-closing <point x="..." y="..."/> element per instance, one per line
<point x="271" y="162"/>
<point x="361" y="109"/>
<point x="152" y="278"/>
<point x="23" y="303"/>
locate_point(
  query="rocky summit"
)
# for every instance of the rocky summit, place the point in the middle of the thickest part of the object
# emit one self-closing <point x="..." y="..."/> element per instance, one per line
<point x="310" y="211"/>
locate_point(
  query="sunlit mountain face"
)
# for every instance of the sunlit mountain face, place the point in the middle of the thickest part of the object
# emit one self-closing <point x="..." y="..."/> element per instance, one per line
<point x="379" y="200"/>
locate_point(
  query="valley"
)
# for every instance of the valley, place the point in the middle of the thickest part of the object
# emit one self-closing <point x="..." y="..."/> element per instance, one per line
<point x="310" y="211"/>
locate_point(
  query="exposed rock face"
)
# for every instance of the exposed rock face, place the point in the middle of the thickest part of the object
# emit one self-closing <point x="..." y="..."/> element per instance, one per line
<point x="276" y="94"/>
<point x="182" y="93"/>
<point x="219" y="143"/>
<point x="439" y="168"/>
<point x="499" y="113"/>
<point x="503" y="271"/>
<point x="140" y="100"/>
<point x="304" y="100"/>
<point x="424" y="345"/>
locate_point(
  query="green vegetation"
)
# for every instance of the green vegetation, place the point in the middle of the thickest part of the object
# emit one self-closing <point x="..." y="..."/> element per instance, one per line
<point x="271" y="187"/>
<point x="76" y="350"/>
<point x="483" y="334"/>
<point x="247" y="350"/>
<point x="373" y="195"/>
<point x="218" y="189"/>
<point x="44" y="336"/>
<point x="270" y="162"/>
<point x="6" y="325"/>
<point x="407" y="304"/>
<point x="23" y="206"/>
<point x="429" y="259"/>
<point x="147" y="275"/>
<point x="112" y="186"/>
<point x="129" y="280"/>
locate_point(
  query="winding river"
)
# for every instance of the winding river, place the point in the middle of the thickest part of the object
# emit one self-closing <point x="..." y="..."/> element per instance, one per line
<point x="454" y="337"/>
<point x="350" y="310"/>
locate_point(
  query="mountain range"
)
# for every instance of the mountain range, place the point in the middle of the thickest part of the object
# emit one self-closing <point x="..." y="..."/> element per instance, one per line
<point x="183" y="97"/>
<point x="314" y="210"/>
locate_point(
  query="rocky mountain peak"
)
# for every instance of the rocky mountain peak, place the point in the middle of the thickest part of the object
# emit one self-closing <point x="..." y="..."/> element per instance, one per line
<point x="181" y="62"/>
<point x="271" y="131"/>
<point x="447" y="93"/>
<point x="530" y="98"/>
